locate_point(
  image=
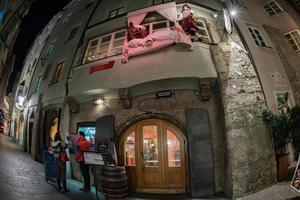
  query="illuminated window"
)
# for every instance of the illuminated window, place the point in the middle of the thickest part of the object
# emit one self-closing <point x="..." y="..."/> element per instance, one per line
<point x="116" y="12"/>
<point x="257" y="36"/>
<point x="105" y="46"/>
<point x="272" y="8"/>
<point x="58" y="72"/>
<point x="294" y="39"/>
<point x="174" y="154"/>
<point x="203" y="32"/>
<point x="156" y="26"/>
<point x="150" y="147"/>
<point x="129" y="149"/>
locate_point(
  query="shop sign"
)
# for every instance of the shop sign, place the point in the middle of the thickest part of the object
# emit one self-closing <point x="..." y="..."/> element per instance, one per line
<point x="102" y="67"/>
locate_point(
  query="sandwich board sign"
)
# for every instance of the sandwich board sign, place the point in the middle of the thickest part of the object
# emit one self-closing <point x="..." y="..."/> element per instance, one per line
<point x="93" y="158"/>
<point x="295" y="183"/>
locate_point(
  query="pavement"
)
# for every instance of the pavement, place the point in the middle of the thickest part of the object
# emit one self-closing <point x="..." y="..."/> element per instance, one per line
<point x="22" y="178"/>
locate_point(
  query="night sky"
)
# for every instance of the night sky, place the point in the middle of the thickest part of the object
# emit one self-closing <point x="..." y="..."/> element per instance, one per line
<point x="39" y="15"/>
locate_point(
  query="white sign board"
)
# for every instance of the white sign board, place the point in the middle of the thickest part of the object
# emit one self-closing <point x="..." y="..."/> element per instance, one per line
<point x="295" y="184"/>
<point x="93" y="158"/>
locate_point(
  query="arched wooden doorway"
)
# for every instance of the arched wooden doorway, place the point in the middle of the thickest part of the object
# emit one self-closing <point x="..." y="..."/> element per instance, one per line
<point x="154" y="153"/>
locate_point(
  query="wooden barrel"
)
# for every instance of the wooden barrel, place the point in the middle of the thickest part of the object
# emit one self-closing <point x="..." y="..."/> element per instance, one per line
<point x="114" y="182"/>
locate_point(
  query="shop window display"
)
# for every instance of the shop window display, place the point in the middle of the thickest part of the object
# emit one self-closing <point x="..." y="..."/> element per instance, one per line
<point x="129" y="148"/>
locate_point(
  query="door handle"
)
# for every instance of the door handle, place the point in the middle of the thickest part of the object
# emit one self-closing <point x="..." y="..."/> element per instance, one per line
<point x="143" y="160"/>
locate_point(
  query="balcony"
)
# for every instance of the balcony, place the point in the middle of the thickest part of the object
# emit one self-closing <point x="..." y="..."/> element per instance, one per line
<point x="167" y="63"/>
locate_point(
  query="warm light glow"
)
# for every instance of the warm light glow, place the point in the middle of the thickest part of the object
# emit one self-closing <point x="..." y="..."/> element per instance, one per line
<point x="99" y="101"/>
<point x="215" y="15"/>
<point x="233" y="12"/>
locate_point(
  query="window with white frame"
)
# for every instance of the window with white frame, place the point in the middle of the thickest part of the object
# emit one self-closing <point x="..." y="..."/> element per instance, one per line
<point x="257" y="36"/>
<point x="272" y="8"/>
<point x="203" y="32"/>
<point x="156" y="26"/>
<point x="294" y="39"/>
<point x="105" y="46"/>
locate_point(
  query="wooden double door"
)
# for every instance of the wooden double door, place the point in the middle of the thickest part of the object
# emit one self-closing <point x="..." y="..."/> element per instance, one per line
<point x="154" y="154"/>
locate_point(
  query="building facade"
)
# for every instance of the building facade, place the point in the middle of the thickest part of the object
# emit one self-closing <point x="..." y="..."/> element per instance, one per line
<point x="177" y="87"/>
<point x="11" y="15"/>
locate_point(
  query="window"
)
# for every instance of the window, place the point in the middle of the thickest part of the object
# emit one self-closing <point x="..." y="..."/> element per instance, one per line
<point x="38" y="83"/>
<point x="58" y="72"/>
<point x="73" y="33"/>
<point x="50" y="48"/>
<point x="272" y="8"/>
<point x="156" y="26"/>
<point x="257" y="36"/>
<point x="294" y="39"/>
<point x="116" y="12"/>
<point x="203" y="32"/>
<point x="129" y="149"/>
<point x="155" y="2"/>
<point x="105" y="46"/>
<point x="66" y="19"/>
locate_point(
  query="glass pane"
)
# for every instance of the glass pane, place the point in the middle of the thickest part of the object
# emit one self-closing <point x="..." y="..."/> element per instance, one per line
<point x="91" y="54"/>
<point x="102" y="51"/>
<point x="129" y="148"/>
<point x="158" y="26"/>
<point x="118" y="43"/>
<point x="174" y="156"/>
<point x="150" y="149"/>
<point x="116" y="51"/>
<point x="120" y="34"/>
<point x="200" y="23"/>
<point x="203" y="32"/>
<point x="94" y="42"/>
<point x="106" y="39"/>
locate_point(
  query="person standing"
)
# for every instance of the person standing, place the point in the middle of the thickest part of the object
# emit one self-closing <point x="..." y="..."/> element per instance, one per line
<point x="83" y="145"/>
<point x="57" y="148"/>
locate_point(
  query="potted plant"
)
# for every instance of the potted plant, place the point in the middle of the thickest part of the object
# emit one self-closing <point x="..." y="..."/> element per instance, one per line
<point x="280" y="125"/>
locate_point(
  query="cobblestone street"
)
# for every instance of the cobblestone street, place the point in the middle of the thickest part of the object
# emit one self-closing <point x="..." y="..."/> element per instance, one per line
<point x="23" y="179"/>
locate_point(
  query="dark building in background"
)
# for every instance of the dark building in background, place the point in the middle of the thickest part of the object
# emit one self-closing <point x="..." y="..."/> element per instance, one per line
<point x="11" y="15"/>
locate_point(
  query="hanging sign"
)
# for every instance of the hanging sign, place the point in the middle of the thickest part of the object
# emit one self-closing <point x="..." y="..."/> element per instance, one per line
<point x="227" y="21"/>
<point x="96" y="68"/>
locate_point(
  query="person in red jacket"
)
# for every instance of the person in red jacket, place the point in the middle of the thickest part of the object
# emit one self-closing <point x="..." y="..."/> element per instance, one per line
<point x="83" y="145"/>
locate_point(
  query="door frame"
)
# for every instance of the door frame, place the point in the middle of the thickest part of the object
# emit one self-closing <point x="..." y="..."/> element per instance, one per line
<point x="134" y="124"/>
